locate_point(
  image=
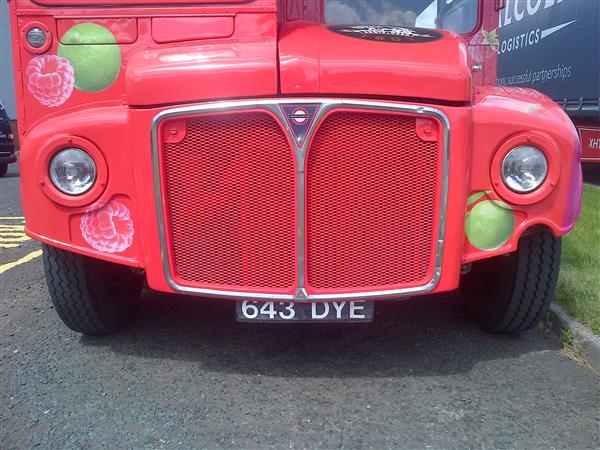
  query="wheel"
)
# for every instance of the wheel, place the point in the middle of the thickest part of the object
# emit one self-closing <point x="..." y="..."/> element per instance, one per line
<point x="3" y="169"/>
<point x="512" y="293"/>
<point x="90" y="296"/>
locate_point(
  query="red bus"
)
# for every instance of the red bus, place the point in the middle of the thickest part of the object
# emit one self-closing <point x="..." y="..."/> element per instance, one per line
<point x="303" y="158"/>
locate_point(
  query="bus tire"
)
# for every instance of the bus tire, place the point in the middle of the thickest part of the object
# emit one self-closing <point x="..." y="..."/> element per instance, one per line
<point x="90" y="296"/>
<point x="511" y="293"/>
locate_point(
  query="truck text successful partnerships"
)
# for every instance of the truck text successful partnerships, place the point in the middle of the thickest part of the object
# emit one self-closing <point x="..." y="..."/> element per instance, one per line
<point x="290" y="155"/>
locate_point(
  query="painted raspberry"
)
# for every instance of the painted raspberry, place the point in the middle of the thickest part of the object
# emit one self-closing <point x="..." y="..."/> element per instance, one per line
<point x="480" y="41"/>
<point x="50" y="79"/>
<point x="108" y="229"/>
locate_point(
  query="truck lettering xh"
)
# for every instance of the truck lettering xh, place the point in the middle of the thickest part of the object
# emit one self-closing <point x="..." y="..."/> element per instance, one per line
<point x="303" y="158"/>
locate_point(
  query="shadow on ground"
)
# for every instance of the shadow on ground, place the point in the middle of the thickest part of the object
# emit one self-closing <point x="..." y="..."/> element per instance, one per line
<point x="426" y="336"/>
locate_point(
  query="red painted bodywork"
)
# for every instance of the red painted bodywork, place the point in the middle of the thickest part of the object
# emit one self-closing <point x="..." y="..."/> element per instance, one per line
<point x="183" y="29"/>
<point x="268" y="49"/>
<point x="481" y="54"/>
<point x="124" y="30"/>
<point x="315" y="60"/>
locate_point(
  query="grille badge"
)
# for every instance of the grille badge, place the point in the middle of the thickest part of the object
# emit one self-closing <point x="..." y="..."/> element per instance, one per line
<point x="299" y="118"/>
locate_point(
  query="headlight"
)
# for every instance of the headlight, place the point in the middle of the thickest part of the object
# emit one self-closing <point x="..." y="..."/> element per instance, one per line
<point x="72" y="171"/>
<point x="524" y="169"/>
<point x="36" y="37"/>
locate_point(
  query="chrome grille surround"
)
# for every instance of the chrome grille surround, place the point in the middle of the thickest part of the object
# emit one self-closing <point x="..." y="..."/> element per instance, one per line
<point x="274" y="106"/>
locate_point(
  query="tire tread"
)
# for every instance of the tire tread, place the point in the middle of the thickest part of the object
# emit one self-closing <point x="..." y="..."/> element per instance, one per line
<point x="519" y="288"/>
<point x="537" y="267"/>
<point x="81" y="307"/>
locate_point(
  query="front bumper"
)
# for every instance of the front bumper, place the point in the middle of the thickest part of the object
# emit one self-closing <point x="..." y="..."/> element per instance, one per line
<point x="134" y="196"/>
<point x="7" y="153"/>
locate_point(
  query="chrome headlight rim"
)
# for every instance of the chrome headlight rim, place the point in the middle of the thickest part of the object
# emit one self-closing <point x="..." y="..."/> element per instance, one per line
<point x="537" y="139"/>
<point x="42" y="163"/>
<point x="509" y="181"/>
<point x="84" y="158"/>
<point x="47" y="34"/>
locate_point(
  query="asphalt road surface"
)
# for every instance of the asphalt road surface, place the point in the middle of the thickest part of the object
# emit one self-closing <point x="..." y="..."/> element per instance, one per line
<point x="185" y="374"/>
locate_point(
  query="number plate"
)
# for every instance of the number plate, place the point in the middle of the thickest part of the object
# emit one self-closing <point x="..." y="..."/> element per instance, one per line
<point x="248" y="311"/>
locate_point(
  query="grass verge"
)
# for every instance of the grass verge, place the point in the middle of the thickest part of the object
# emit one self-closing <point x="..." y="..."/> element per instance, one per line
<point x="578" y="289"/>
<point x="572" y="349"/>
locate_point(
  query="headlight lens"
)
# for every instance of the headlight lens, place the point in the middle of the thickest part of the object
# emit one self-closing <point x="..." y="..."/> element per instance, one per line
<point x="524" y="168"/>
<point x="72" y="171"/>
<point x="36" y="37"/>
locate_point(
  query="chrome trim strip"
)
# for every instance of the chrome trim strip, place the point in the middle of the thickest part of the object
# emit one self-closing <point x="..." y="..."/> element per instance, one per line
<point x="300" y="152"/>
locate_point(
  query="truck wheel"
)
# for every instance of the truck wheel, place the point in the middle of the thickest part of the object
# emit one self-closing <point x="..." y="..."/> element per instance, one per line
<point x="3" y="169"/>
<point x="511" y="293"/>
<point x="90" y="296"/>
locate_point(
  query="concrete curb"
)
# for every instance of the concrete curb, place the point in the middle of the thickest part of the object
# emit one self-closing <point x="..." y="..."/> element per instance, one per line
<point x="590" y="344"/>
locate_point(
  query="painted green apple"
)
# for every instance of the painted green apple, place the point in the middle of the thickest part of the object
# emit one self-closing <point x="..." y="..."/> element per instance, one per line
<point x="474" y="197"/>
<point x="94" y="54"/>
<point x="489" y="224"/>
